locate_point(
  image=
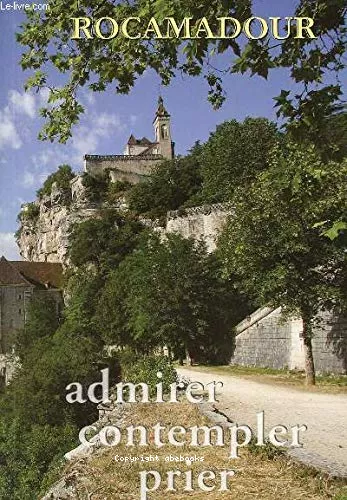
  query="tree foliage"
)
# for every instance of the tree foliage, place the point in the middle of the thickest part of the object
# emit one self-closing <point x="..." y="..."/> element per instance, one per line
<point x="274" y="244"/>
<point x="170" y="294"/>
<point x="104" y="241"/>
<point x="37" y="425"/>
<point x="233" y="155"/>
<point x="334" y="141"/>
<point x="61" y="177"/>
<point x="119" y="62"/>
<point x="169" y="187"/>
<point x="42" y="320"/>
<point x="29" y="213"/>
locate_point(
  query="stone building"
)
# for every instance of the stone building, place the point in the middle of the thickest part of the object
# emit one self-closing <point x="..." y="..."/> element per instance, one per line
<point x="19" y="282"/>
<point x="140" y="155"/>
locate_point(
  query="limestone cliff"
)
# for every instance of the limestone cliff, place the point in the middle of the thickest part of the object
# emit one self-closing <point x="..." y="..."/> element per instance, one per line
<point x="47" y="223"/>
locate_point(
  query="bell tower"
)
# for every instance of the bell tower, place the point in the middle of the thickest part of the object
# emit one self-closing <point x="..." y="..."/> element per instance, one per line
<point x="162" y="131"/>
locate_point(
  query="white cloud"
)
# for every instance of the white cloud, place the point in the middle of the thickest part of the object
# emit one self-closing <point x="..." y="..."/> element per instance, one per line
<point x="50" y="157"/>
<point x="34" y="178"/>
<point x="8" y="246"/>
<point x="22" y="103"/>
<point x="88" y="98"/>
<point x="86" y="138"/>
<point x="17" y="202"/>
<point x="18" y="103"/>
<point x="9" y="136"/>
<point x="28" y="179"/>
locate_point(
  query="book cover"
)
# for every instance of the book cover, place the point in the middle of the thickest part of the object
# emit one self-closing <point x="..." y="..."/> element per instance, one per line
<point x="173" y="265"/>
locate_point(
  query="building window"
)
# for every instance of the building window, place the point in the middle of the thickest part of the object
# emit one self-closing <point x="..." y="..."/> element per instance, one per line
<point x="164" y="132"/>
<point x="19" y="297"/>
<point x="19" y="311"/>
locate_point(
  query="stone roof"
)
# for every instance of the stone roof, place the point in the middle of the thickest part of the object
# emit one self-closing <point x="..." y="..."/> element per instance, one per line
<point x="39" y="274"/>
<point x="132" y="141"/>
<point x="147" y="151"/>
<point x="9" y="275"/>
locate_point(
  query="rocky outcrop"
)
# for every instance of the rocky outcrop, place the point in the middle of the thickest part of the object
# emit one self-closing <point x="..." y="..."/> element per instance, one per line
<point x="44" y="237"/>
<point x="47" y="223"/>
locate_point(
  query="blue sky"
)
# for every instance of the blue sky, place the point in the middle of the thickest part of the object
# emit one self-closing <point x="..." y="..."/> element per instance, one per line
<point x="110" y="118"/>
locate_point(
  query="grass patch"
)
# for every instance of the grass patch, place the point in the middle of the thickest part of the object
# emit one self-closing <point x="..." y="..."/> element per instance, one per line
<point x="326" y="383"/>
<point x="101" y="477"/>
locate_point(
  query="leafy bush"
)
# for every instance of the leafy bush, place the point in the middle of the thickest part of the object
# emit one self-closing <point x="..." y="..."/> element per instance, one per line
<point x="233" y="156"/>
<point x="30" y="212"/>
<point x="42" y="321"/>
<point x="137" y="369"/>
<point x="29" y="457"/>
<point x="170" y="293"/>
<point x="62" y="177"/>
<point x="171" y="185"/>
<point x="116" y="190"/>
<point x="37" y="424"/>
<point x="104" y="242"/>
<point x="96" y="187"/>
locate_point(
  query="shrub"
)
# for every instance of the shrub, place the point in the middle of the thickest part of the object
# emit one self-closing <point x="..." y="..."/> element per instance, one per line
<point x="96" y="187"/>
<point x="137" y="369"/>
<point x="171" y="184"/>
<point x="116" y="190"/>
<point x="62" y="177"/>
<point x="30" y="212"/>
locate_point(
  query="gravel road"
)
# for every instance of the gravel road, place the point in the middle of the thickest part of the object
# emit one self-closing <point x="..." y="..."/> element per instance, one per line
<point x="325" y="415"/>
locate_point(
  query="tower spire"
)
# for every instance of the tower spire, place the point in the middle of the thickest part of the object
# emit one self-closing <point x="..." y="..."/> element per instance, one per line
<point x="162" y="130"/>
<point x="161" y="111"/>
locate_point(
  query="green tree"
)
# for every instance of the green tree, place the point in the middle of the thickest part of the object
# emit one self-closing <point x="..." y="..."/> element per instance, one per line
<point x="104" y="241"/>
<point x="273" y="242"/>
<point x="233" y="155"/>
<point x="29" y="457"/>
<point x="42" y="320"/>
<point x="170" y="293"/>
<point x="119" y="62"/>
<point x="62" y="177"/>
<point x="170" y="186"/>
<point x="334" y="142"/>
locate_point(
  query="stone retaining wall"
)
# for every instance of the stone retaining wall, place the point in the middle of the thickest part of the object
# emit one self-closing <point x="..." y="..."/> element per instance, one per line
<point x="264" y="339"/>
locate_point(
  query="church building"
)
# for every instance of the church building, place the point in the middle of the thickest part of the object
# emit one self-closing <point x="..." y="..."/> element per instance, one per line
<point x="140" y="155"/>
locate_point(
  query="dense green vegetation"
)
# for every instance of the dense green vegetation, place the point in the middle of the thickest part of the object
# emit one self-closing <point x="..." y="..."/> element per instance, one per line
<point x="314" y="64"/>
<point x="233" y="156"/>
<point x="30" y="213"/>
<point x="172" y="184"/>
<point x="275" y="245"/>
<point x="130" y="288"/>
<point x="61" y="177"/>
<point x="171" y="294"/>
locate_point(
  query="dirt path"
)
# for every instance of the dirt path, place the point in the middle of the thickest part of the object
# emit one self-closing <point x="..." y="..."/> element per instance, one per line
<point x="325" y="415"/>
